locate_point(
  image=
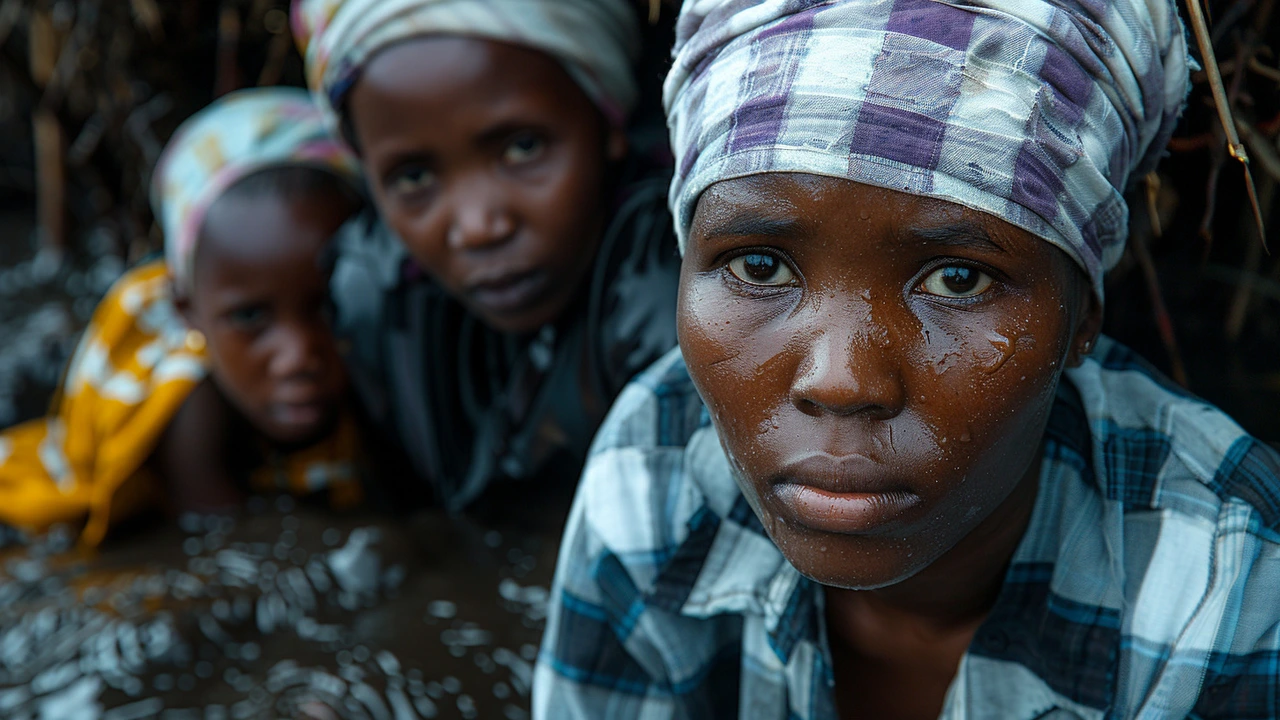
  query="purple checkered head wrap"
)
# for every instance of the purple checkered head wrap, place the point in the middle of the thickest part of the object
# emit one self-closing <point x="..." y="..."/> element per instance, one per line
<point x="1035" y="111"/>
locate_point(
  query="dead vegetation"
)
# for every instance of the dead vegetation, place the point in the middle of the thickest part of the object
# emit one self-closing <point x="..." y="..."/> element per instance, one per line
<point x="90" y="89"/>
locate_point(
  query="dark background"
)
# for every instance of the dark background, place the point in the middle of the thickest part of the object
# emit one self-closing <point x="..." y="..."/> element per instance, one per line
<point x="91" y="89"/>
<point x="89" y="92"/>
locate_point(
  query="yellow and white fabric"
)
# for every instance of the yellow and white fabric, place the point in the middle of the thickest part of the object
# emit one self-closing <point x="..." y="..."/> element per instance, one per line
<point x="131" y="372"/>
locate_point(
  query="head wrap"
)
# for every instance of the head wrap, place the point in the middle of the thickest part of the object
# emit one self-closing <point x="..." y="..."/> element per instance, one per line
<point x="597" y="41"/>
<point x="236" y="136"/>
<point x="1034" y="111"/>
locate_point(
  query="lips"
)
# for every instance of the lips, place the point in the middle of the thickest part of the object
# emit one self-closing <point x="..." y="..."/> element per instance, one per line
<point x="848" y="495"/>
<point x="510" y="292"/>
<point x="300" y="415"/>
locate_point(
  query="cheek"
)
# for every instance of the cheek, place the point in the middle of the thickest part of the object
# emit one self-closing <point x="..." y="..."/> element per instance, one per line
<point x="739" y="355"/>
<point x="415" y="227"/>
<point x="983" y="389"/>
<point x="237" y="363"/>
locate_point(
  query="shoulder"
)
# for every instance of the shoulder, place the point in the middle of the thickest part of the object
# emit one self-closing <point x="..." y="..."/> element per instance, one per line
<point x="140" y="286"/>
<point x="138" y="312"/>
<point x="660" y="558"/>
<point x="1190" y="514"/>
<point x="637" y="492"/>
<point x="631" y="308"/>
<point x="657" y="488"/>
<point x="1157" y="447"/>
<point x="367" y="264"/>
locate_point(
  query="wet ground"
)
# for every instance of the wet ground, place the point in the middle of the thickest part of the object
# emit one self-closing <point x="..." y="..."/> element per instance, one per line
<point x="287" y="612"/>
<point x="284" y="611"/>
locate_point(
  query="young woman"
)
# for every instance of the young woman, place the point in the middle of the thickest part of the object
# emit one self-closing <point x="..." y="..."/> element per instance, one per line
<point x="894" y="471"/>
<point x="519" y="268"/>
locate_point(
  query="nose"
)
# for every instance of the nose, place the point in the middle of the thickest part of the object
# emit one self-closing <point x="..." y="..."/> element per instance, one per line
<point x="299" y="352"/>
<point x="849" y="371"/>
<point x="482" y="217"/>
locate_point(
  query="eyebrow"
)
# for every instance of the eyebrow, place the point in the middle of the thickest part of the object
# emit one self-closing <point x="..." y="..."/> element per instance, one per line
<point x="752" y="223"/>
<point x="961" y="234"/>
<point x="504" y="129"/>
<point x="401" y="160"/>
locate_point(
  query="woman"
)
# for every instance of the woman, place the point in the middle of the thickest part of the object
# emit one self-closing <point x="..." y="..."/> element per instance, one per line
<point x="519" y="269"/>
<point x="895" y="471"/>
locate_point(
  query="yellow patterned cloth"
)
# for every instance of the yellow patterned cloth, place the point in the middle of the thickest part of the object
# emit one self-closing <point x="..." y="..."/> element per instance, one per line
<point x="130" y="374"/>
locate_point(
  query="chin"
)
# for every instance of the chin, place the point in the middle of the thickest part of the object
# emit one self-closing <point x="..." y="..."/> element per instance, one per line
<point x="523" y="323"/>
<point x="300" y="436"/>
<point x="851" y="563"/>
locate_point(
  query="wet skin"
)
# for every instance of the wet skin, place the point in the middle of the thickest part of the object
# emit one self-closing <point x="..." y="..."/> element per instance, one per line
<point x="259" y="296"/>
<point x="489" y="162"/>
<point x="880" y="368"/>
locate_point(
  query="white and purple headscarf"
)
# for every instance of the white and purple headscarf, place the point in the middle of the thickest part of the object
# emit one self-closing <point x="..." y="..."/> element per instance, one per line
<point x="1036" y="112"/>
<point x="596" y="41"/>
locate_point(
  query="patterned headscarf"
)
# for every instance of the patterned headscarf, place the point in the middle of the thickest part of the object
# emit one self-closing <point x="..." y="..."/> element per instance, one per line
<point x="236" y="136"/>
<point x="1035" y="111"/>
<point x="597" y="41"/>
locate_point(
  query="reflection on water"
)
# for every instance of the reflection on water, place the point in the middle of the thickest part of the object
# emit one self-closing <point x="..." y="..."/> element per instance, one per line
<point x="283" y="612"/>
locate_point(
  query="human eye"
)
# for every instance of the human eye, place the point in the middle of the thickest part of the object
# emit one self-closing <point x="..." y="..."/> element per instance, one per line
<point x="523" y="148"/>
<point x="248" y="318"/>
<point x="761" y="269"/>
<point x="410" y="180"/>
<point x="955" y="282"/>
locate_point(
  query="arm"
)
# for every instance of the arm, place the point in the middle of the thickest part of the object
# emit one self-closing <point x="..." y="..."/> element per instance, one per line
<point x="194" y="455"/>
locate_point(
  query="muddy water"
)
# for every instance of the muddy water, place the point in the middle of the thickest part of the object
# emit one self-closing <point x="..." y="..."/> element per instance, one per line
<point x="283" y="611"/>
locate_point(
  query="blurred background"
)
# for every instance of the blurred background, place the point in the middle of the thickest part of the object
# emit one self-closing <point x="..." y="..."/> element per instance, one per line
<point x="90" y="90"/>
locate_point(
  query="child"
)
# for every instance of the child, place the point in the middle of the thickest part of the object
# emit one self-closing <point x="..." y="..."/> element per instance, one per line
<point x="216" y="365"/>
<point x="896" y="472"/>
<point x="543" y="271"/>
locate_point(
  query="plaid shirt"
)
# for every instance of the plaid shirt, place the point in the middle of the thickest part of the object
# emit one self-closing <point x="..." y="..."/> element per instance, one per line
<point x="1145" y="587"/>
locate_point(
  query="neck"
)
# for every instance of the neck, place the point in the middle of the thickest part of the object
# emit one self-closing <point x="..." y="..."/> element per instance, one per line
<point x="958" y="589"/>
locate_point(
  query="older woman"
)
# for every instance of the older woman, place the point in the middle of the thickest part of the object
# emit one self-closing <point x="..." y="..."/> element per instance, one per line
<point x="894" y="471"/>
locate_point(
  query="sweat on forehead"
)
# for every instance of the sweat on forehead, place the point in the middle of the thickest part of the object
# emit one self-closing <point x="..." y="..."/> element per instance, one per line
<point x="1035" y="112"/>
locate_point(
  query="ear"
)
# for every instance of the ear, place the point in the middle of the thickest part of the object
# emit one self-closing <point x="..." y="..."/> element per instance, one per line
<point x="1088" y="327"/>
<point x="616" y="144"/>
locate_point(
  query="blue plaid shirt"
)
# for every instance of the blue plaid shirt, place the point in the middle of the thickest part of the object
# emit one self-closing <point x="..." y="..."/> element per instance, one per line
<point x="1147" y="585"/>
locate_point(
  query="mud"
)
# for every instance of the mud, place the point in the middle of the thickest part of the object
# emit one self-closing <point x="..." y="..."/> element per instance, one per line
<point x="283" y="611"/>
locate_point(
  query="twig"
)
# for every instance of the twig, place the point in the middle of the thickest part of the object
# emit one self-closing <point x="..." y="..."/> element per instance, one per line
<point x="1237" y="311"/>
<point x="228" y="46"/>
<point x="1234" y="147"/>
<point x="1265" y="71"/>
<point x="1266" y="155"/>
<point x="277" y="54"/>
<point x="1217" y="156"/>
<point x="1164" y="323"/>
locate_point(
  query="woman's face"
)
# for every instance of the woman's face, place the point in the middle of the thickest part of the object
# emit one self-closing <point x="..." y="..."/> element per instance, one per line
<point x="879" y="366"/>
<point x="489" y="162"/>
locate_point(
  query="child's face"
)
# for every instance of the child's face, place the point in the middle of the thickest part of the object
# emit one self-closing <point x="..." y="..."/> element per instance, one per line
<point x="489" y="162"/>
<point x="259" y="295"/>
<point x="879" y="366"/>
